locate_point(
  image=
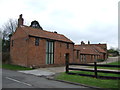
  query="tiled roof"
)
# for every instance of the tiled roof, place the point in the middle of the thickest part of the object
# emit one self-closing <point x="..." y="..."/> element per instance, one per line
<point x="86" y="49"/>
<point x="102" y="46"/>
<point x="45" y="34"/>
<point x="99" y="49"/>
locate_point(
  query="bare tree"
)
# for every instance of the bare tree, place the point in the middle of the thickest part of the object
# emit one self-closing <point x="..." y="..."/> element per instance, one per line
<point x="8" y="28"/>
<point x="0" y="42"/>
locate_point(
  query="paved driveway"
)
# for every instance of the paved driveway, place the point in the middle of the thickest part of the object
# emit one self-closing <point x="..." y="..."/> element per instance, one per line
<point x="45" y="71"/>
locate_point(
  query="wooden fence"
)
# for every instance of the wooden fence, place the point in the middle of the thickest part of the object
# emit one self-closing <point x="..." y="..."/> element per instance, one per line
<point x="95" y="70"/>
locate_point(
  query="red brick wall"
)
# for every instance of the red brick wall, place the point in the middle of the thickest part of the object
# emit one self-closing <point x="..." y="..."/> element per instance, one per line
<point x="36" y="54"/>
<point x="76" y="60"/>
<point x="26" y="53"/>
<point x="61" y="50"/>
<point x="18" y="51"/>
<point x="89" y="58"/>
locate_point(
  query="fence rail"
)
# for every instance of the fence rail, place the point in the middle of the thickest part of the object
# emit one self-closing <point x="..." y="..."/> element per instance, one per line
<point x="95" y="70"/>
<point x="118" y="66"/>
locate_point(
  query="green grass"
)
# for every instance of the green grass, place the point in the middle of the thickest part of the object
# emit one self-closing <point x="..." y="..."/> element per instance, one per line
<point x="92" y="73"/>
<point x="14" y="67"/>
<point x="114" y="63"/>
<point x="103" y="83"/>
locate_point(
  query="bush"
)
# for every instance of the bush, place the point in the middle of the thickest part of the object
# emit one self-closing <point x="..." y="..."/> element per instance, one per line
<point x="100" y="60"/>
<point x="6" y="57"/>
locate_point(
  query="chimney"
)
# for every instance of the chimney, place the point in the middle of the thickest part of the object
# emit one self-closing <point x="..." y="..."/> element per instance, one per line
<point x="88" y="42"/>
<point x="55" y="32"/>
<point x="82" y="43"/>
<point x="20" y="20"/>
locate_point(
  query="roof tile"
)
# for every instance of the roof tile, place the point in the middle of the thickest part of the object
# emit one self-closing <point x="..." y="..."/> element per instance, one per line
<point x="45" y="34"/>
<point x="85" y="49"/>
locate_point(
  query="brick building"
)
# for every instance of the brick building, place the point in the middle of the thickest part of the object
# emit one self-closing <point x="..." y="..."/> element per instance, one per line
<point x="31" y="46"/>
<point x="87" y="53"/>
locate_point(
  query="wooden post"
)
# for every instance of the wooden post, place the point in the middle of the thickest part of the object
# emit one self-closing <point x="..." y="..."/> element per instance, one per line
<point x="95" y="69"/>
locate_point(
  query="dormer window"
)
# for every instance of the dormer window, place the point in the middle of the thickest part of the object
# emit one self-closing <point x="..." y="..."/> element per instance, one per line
<point x="35" y="24"/>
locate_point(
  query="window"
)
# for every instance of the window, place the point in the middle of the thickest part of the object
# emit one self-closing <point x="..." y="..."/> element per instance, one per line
<point x="37" y="41"/>
<point x="98" y="57"/>
<point x="84" y="58"/>
<point x="12" y="43"/>
<point x="81" y="58"/>
<point x="67" y="46"/>
<point x="77" y="54"/>
<point x="49" y="52"/>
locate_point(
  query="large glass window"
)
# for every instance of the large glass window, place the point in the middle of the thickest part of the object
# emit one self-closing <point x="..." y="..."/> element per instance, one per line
<point x="49" y="52"/>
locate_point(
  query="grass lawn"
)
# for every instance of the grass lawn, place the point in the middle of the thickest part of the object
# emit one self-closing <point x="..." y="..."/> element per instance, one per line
<point x="114" y="63"/>
<point x="103" y="83"/>
<point x="14" y="67"/>
<point x="92" y="73"/>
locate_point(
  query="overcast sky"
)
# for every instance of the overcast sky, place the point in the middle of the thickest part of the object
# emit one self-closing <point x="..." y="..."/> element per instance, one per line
<point x="79" y="20"/>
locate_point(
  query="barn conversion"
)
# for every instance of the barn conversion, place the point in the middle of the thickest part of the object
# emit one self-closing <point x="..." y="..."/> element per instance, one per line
<point x="32" y="46"/>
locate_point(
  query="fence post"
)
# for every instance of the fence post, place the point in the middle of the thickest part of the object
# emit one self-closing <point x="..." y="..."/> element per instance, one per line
<point x="67" y="66"/>
<point x="95" y="69"/>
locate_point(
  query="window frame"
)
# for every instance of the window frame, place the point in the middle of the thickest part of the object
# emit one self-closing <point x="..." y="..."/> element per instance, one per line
<point x="37" y="40"/>
<point x="67" y="45"/>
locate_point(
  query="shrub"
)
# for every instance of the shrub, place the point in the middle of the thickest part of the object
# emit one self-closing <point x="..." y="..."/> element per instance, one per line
<point x="6" y="57"/>
<point x="100" y="60"/>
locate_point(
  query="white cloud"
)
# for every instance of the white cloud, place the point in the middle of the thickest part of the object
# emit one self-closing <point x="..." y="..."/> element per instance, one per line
<point x="94" y="20"/>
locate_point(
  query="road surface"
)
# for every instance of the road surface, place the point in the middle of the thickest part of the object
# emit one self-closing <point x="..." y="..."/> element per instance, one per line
<point x="14" y="79"/>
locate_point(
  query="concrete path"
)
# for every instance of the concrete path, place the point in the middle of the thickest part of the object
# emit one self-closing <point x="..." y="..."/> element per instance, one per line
<point x="38" y="72"/>
<point x="110" y="60"/>
<point x="54" y="70"/>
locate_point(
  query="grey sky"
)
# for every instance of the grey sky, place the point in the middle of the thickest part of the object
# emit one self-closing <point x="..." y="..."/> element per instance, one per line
<point x="93" y="20"/>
